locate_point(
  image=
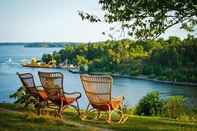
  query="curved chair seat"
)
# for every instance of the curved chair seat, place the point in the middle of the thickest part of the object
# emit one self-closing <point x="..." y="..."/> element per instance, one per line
<point x="67" y="100"/>
<point x="42" y="95"/>
<point x="115" y="103"/>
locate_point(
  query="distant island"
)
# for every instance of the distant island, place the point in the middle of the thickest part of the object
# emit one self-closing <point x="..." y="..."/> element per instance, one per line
<point x="40" y="44"/>
<point x="50" y="44"/>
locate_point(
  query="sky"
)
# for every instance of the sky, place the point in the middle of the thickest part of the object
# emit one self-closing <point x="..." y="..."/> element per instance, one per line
<point x="54" y="21"/>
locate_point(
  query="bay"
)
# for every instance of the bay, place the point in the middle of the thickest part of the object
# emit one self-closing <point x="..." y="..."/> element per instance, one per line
<point x="133" y="90"/>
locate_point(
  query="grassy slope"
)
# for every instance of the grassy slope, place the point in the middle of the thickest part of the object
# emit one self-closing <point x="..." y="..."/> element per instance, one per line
<point x="22" y="120"/>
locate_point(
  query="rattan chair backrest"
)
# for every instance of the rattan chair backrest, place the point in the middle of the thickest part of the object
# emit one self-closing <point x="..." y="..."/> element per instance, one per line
<point x="52" y="83"/>
<point x="97" y="88"/>
<point x="28" y="82"/>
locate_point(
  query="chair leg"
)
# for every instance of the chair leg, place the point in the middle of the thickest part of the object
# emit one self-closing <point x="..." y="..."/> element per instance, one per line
<point x="59" y="112"/>
<point x="123" y="117"/>
<point x="98" y="115"/>
<point x="78" y="109"/>
<point x="109" y="120"/>
<point x="120" y="112"/>
<point x="38" y="110"/>
<point x="38" y="106"/>
<point x="88" y="107"/>
<point x="84" y="115"/>
<point x="61" y="109"/>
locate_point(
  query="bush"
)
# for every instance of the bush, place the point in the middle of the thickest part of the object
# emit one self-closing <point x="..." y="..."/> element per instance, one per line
<point x="175" y="106"/>
<point x="22" y="99"/>
<point x="149" y="105"/>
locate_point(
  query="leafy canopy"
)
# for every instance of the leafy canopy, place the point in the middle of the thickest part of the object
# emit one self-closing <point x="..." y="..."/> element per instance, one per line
<point x="147" y="18"/>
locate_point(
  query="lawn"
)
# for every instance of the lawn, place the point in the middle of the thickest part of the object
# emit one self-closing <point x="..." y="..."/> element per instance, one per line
<point x="13" y="119"/>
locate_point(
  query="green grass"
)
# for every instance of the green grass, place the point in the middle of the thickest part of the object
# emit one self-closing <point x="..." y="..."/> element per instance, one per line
<point x="13" y="119"/>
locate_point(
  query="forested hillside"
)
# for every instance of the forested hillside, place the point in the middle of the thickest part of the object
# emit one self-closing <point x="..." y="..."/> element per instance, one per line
<point x="172" y="59"/>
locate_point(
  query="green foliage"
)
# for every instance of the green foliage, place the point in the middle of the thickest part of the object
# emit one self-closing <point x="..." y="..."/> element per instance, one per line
<point x="175" y="61"/>
<point x="147" y="18"/>
<point x="172" y="59"/>
<point x="69" y="53"/>
<point x="149" y="105"/>
<point x="136" y="67"/>
<point x="47" y="58"/>
<point x="57" y="57"/>
<point x="175" y="106"/>
<point x="81" y="60"/>
<point x="23" y="99"/>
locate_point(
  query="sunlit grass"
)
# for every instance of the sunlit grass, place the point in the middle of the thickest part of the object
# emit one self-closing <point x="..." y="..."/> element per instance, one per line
<point x="17" y="120"/>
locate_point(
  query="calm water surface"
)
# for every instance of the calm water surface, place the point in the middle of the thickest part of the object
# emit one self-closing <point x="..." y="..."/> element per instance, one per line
<point x="133" y="90"/>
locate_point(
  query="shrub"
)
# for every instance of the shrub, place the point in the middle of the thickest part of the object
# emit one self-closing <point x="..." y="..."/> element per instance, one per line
<point x="174" y="106"/>
<point x="22" y="99"/>
<point x="148" y="69"/>
<point x="151" y="104"/>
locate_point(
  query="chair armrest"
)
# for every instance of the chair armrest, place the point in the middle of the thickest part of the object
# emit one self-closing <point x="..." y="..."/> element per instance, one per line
<point x="118" y="98"/>
<point x="74" y="93"/>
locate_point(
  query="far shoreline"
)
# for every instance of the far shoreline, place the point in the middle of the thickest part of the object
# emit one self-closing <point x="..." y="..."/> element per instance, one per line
<point x="143" y="77"/>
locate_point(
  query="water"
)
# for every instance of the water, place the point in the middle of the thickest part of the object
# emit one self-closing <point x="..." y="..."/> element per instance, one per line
<point x="133" y="90"/>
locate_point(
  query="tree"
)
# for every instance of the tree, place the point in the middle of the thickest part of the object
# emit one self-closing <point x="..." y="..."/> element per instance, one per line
<point x="63" y="54"/>
<point x="57" y="57"/>
<point x="47" y="58"/>
<point x="148" y="18"/>
<point x="70" y="53"/>
<point x="81" y="60"/>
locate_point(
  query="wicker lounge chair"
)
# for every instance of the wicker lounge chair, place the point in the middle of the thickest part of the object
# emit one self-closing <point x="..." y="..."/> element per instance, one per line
<point x="33" y="91"/>
<point x="98" y="90"/>
<point x="52" y="82"/>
